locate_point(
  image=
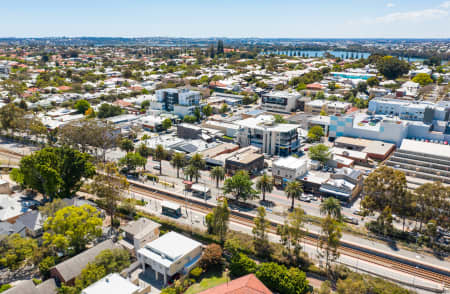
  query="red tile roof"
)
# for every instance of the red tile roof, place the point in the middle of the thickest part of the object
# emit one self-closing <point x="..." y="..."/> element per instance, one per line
<point x="248" y="284"/>
<point x="314" y="86"/>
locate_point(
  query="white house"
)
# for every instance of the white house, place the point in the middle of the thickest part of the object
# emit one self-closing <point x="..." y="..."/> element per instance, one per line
<point x="170" y="254"/>
<point x="113" y="284"/>
<point x="288" y="169"/>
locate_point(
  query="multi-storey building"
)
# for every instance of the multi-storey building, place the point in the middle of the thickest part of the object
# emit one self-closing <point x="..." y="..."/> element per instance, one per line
<point x="280" y="101"/>
<point x="181" y="102"/>
<point x="271" y="137"/>
<point x="330" y="107"/>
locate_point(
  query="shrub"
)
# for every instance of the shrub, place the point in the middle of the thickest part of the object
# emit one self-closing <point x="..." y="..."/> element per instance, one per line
<point x="196" y="272"/>
<point x="45" y="265"/>
<point x="37" y="281"/>
<point x="5" y="287"/>
<point x="280" y="279"/>
<point x="242" y="265"/>
<point x="212" y="256"/>
<point x="152" y="177"/>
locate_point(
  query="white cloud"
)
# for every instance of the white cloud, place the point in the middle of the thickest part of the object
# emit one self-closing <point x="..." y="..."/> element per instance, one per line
<point x="445" y="5"/>
<point x="390" y="5"/>
<point x="419" y="15"/>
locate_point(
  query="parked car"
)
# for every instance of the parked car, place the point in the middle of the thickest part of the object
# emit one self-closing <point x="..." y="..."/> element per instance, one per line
<point x="157" y="167"/>
<point x="305" y="198"/>
<point x="351" y="220"/>
<point x="357" y="212"/>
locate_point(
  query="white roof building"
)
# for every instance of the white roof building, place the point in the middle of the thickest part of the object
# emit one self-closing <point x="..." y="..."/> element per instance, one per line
<point x="170" y="254"/>
<point x="112" y="284"/>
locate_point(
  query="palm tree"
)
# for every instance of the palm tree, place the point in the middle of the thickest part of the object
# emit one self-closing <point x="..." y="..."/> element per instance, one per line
<point x="331" y="207"/>
<point x="218" y="174"/>
<point x="264" y="184"/>
<point x="294" y="190"/>
<point x="197" y="161"/>
<point x="178" y="161"/>
<point x="159" y="154"/>
<point x="192" y="172"/>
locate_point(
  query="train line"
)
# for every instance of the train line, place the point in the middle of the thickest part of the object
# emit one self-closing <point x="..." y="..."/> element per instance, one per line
<point x="419" y="270"/>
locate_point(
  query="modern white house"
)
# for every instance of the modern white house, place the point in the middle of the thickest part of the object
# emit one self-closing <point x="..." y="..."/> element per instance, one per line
<point x="113" y="284"/>
<point x="170" y="254"/>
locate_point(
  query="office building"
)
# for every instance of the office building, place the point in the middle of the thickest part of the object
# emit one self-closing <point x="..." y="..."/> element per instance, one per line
<point x="181" y="102"/>
<point x="280" y="101"/>
<point x="272" y="138"/>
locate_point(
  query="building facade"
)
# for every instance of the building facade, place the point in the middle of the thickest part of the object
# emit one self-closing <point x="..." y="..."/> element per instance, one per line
<point x="288" y="169"/>
<point x="270" y="137"/>
<point x="181" y="102"/>
<point x="280" y="101"/>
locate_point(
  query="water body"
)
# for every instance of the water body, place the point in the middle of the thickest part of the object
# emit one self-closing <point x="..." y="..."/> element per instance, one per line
<point x="341" y="54"/>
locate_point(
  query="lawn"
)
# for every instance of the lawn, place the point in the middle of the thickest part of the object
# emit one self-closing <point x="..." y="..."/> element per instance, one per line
<point x="210" y="280"/>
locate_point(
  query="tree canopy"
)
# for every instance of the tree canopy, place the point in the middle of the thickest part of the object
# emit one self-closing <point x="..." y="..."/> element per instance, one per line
<point x="392" y="67"/>
<point x="240" y="186"/>
<point x="55" y="171"/>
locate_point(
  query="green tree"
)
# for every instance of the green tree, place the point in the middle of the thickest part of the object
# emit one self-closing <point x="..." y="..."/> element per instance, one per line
<point x="159" y="155"/>
<point x="224" y="108"/>
<point x="178" y="161"/>
<point x="293" y="191"/>
<point x="15" y="251"/>
<point x="315" y="133"/>
<point x="218" y="174"/>
<point x="217" y="220"/>
<point x="240" y="186"/>
<point x="292" y="233"/>
<point x="282" y="280"/>
<point x="279" y="119"/>
<point x="373" y="81"/>
<point x="331" y="207"/>
<point x="192" y="172"/>
<point x="126" y="145"/>
<point x="11" y="117"/>
<point x="113" y="260"/>
<point x="423" y="79"/>
<point x="320" y="152"/>
<point x="362" y="284"/>
<point x="45" y="265"/>
<point x="329" y="240"/>
<point x="264" y="184"/>
<point x="207" y="110"/>
<point x="197" y="114"/>
<point x="189" y="119"/>
<point x="392" y="67"/>
<point x="260" y="235"/>
<point x="197" y="161"/>
<point x="72" y="228"/>
<point x="89" y="275"/>
<point x="82" y="106"/>
<point x="166" y="124"/>
<point x="55" y="171"/>
<point x="109" y="185"/>
<point x="132" y="160"/>
<point x="242" y="265"/>
<point x="144" y="151"/>
<point x="107" y="110"/>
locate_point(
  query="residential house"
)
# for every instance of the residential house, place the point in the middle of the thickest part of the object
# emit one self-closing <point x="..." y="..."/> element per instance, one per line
<point x="140" y="232"/>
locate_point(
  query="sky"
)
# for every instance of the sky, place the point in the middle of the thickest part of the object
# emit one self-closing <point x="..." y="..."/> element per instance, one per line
<point x="227" y="18"/>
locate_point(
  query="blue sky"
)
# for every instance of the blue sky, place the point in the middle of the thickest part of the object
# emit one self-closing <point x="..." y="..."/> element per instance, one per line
<point x="227" y="18"/>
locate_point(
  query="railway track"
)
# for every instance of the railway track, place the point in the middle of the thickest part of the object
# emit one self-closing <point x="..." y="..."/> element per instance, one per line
<point x="416" y="271"/>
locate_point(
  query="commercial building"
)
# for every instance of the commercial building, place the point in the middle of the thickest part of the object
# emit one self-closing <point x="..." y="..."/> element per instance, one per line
<point x="288" y="169"/>
<point x="181" y="102"/>
<point x="139" y="232"/>
<point x="280" y="101"/>
<point x="422" y="161"/>
<point x="377" y="150"/>
<point x="248" y="158"/>
<point x="170" y="254"/>
<point x="272" y="138"/>
<point x="344" y="185"/>
<point x="330" y="107"/>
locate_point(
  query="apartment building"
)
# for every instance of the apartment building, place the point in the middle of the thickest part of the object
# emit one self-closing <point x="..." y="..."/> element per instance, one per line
<point x="272" y="138"/>
<point x="181" y="102"/>
<point x="280" y="101"/>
